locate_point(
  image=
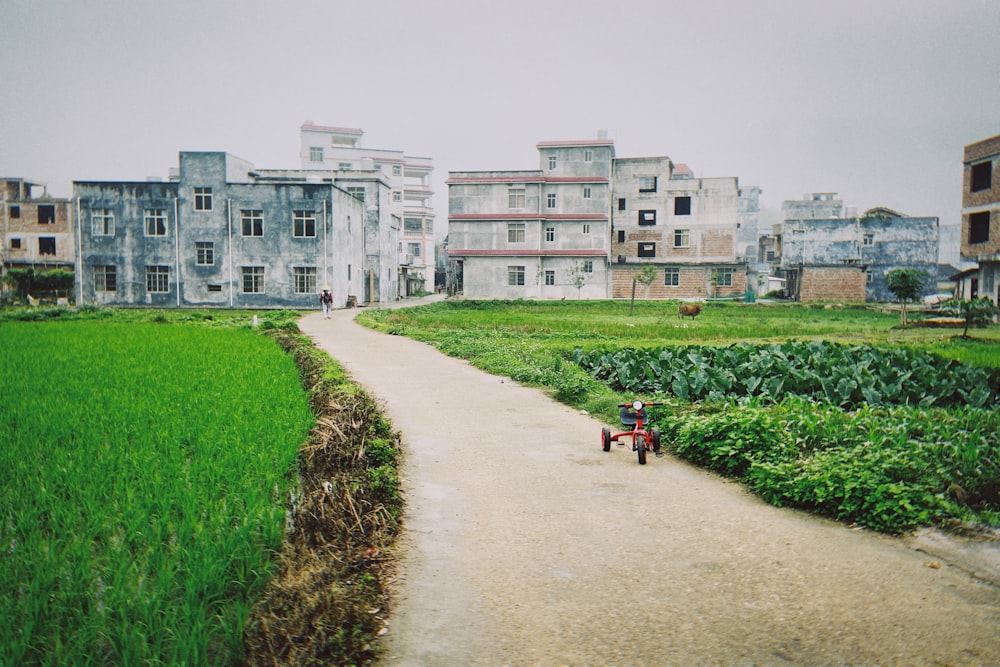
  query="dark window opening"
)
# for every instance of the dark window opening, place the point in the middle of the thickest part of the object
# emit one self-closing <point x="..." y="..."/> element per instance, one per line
<point x="621" y="236"/>
<point x="979" y="227"/>
<point x="46" y="214"/>
<point x="15" y="243"/>
<point x="982" y="176"/>
<point x="46" y="245"/>
<point x="682" y="206"/>
<point x="15" y="211"/>
<point x="647" y="184"/>
<point x="647" y="217"/>
<point x="621" y="203"/>
<point x="647" y="250"/>
<point x="215" y="288"/>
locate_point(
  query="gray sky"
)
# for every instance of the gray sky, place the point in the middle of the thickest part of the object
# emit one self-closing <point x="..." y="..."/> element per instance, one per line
<point x="873" y="99"/>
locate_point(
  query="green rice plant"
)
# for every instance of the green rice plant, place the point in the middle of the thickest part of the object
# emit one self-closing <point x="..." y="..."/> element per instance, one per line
<point x="143" y="472"/>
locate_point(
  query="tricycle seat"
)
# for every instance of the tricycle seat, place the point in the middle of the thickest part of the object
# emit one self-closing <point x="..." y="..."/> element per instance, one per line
<point x="630" y="418"/>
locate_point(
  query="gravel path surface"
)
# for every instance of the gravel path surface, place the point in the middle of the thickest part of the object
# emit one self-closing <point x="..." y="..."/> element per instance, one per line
<point x="525" y="544"/>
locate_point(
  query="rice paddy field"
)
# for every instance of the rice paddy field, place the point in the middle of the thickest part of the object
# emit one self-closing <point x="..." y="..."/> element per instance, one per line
<point x="144" y="472"/>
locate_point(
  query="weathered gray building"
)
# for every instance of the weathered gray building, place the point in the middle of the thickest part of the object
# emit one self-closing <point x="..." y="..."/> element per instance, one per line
<point x="220" y="234"/>
<point x="847" y="258"/>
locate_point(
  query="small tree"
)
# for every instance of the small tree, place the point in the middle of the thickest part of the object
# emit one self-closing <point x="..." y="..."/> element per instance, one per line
<point x="975" y="312"/>
<point x="578" y="277"/>
<point x="907" y="285"/>
<point x="646" y="276"/>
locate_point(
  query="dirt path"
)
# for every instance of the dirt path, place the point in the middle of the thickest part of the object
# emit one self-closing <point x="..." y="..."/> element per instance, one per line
<point x="525" y="544"/>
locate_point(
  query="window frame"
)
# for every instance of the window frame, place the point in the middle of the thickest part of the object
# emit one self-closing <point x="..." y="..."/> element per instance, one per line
<point x="49" y="244"/>
<point x="587" y="192"/>
<point x="252" y="218"/>
<point x="682" y="238"/>
<point x="157" y="279"/>
<point x="102" y="274"/>
<point x="588" y="266"/>
<point x="551" y="201"/>
<point x="303" y="221"/>
<point x="550" y="277"/>
<point x="103" y="219"/>
<point x="157" y="217"/>
<point x="647" y="184"/>
<point x="204" y="253"/>
<point x="647" y="217"/>
<point x="50" y="214"/>
<point x="553" y="162"/>
<point x="728" y="274"/>
<point x="515" y="232"/>
<point x="550" y="234"/>
<point x="304" y="279"/>
<point x="315" y="153"/>
<point x="252" y="277"/>
<point x="682" y="205"/>
<point x="202" y="198"/>
<point x="672" y="276"/>
<point x="646" y="249"/>
<point x="515" y="276"/>
<point x="516" y="197"/>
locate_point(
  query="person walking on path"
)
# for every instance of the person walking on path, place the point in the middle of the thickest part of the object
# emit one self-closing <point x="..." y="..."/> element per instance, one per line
<point x="326" y="300"/>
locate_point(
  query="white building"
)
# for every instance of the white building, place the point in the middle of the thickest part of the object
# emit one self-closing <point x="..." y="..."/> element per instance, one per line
<point x="534" y="234"/>
<point x="340" y="149"/>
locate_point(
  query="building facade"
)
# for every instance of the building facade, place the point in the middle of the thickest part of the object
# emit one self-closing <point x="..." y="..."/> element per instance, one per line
<point x="825" y="256"/>
<point x="534" y="234"/>
<point x="219" y="234"/>
<point x="409" y="179"/>
<point x="981" y="216"/>
<point x="37" y="230"/>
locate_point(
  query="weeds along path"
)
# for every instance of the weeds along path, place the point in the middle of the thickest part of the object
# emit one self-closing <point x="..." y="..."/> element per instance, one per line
<point x="525" y="544"/>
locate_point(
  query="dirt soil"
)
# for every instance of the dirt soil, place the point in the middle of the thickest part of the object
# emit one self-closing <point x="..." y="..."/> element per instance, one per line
<point x="525" y="544"/>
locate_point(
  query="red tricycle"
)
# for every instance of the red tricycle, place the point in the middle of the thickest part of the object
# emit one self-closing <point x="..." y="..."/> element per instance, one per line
<point x="633" y="415"/>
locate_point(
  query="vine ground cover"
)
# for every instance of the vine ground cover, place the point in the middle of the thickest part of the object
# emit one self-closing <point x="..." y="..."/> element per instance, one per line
<point x="909" y="465"/>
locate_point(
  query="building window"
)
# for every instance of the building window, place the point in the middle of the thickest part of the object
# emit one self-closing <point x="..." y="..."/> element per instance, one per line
<point x="682" y="206"/>
<point x="215" y="288"/>
<point x="550" y="234"/>
<point x="15" y="244"/>
<point x="979" y="227"/>
<point x="345" y="166"/>
<point x="397" y="170"/>
<point x="105" y="279"/>
<point x="46" y="214"/>
<point x="303" y="224"/>
<point x="588" y="266"/>
<point x="588" y="156"/>
<point x="358" y="191"/>
<point x="672" y="276"/>
<point x="586" y="192"/>
<point x="413" y="225"/>
<point x="155" y="220"/>
<point x="647" y="217"/>
<point x="552" y="162"/>
<point x="515" y="197"/>
<point x="515" y="232"/>
<point x="723" y="277"/>
<point x="413" y="249"/>
<point x="204" y="253"/>
<point x="586" y="228"/>
<point x="682" y="238"/>
<point x="515" y="275"/>
<point x="315" y="153"/>
<point x="550" y="200"/>
<point x="771" y="255"/>
<point x="102" y="222"/>
<point x="157" y="278"/>
<point x="253" y="279"/>
<point x="621" y="236"/>
<point x="621" y="203"/>
<point x="252" y="220"/>
<point x="868" y="240"/>
<point x="15" y="211"/>
<point x="869" y="276"/>
<point x="304" y="278"/>
<point x="397" y="195"/>
<point x="647" y="250"/>
<point x="203" y="199"/>
<point x="647" y="184"/>
<point x="982" y="176"/>
<point x="46" y="245"/>
<point x="550" y="277"/>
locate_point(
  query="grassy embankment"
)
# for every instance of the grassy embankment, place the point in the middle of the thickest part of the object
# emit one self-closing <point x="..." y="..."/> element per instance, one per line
<point x="150" y="474"/>
<point x="889" y="466"/>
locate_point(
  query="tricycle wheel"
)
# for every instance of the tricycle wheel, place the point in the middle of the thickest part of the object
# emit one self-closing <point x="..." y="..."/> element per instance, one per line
<point x="655" y="439"/>
<point x="606" y="439"/>
<point x="640" y="448"/>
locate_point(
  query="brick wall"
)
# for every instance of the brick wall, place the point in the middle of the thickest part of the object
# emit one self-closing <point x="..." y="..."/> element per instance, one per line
<point x="694" y="283"/>
<point x="833" y="284"/>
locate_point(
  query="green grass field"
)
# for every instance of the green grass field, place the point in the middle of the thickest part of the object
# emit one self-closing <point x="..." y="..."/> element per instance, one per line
<point x="144" y="469"/>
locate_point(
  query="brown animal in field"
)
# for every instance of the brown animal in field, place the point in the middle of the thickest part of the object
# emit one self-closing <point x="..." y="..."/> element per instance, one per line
<point x="688" y="309"/>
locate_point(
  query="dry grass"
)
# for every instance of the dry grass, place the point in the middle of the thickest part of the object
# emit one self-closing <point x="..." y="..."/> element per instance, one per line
<point x="328" y="600"/>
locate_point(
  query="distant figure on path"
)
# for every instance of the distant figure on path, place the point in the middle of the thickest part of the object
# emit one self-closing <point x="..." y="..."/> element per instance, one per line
<point x="326" y="299"/>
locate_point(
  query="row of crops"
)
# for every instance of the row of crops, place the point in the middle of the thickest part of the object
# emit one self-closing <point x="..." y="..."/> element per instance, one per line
<point x="888" y="438"/>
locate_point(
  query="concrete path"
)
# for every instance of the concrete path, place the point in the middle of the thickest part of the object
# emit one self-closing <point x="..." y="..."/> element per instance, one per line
<point x="525" y="544"/>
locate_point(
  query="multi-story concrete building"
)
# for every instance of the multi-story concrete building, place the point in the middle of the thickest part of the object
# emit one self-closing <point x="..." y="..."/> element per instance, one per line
<point x="825" y="256"/>
<point x="37" y="230"/>
<point x="534" y="234"/>
<point x="981" y="216"/>
<point x="686" y="227"/>
<point x="340" y="149"/>
<point x="219" y="233"/>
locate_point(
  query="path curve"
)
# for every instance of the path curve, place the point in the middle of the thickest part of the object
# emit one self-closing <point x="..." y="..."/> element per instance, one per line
<point x="525" y="544"/>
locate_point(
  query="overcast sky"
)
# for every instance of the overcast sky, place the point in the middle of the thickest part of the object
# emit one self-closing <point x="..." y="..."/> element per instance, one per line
<point x="873" y="99"/>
